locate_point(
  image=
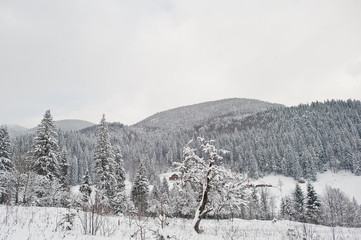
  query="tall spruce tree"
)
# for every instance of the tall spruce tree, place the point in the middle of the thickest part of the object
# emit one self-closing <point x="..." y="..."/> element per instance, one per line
<point x="104" y="164"/>
<point x="45" y="150"/>
<point x="299" y="203"/>
<point x="85" y="189"/>
<point x="140" y="190"/>
<point x="254" y="205"/>
<point x="6" y="166"/>
<point x="313" y="205"/>
<point x="165" y="187"/>
<point x="6" y="163"/>
<point x="64" y="179"/>
<point x="45" y="162"/>
<point x="119" y="188"/>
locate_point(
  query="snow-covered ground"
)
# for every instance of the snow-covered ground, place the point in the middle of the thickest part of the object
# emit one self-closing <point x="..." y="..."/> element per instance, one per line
<point x="282" y="186"/>
<point x="34" y="223"/>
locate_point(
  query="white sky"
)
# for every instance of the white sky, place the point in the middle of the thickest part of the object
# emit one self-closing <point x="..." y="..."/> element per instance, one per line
<point x="131" y="59"/>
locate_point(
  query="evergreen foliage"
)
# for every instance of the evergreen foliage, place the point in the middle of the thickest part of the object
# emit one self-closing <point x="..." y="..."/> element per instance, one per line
<point x="313" y="205"/>
<point x="6" y="164"/>
<point x="298" y="203"/>
<point x="45" y="163"/>
<point x="6" y="167"/>
<point x="64" y="179"/>
<point x="104" y="165"/>
<point x="119" y="188"/>
<point x="85" y="189"/>
<point x="45" y="150"/>
<point x="140" y="190"/>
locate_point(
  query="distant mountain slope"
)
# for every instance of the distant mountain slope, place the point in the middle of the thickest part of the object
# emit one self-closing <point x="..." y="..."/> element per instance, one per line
<point x="197" y="114"/>
<point x="72" y="124"/>
<point x="16" y="130"/>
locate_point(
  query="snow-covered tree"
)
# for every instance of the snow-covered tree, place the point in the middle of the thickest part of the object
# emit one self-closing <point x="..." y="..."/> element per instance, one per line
<point x="140" y="190"/>
<point x="207" y="175"/>
<point x="85" y="189"/>
<point x="254" y="210"/>
<point x="104" y="165"/>
<point x="298" y="203"/>
<point x="45" y="150"/>
<point x="64" y="190"/>
<point x="6" y="166"/>
<point x="313" y="205"/>
<point x="158" y="206"/>
<point x="165" y="187"/>
<point x="287" y="209"/>
<point x="45" y="163"/>
<point x="119" y="188"/>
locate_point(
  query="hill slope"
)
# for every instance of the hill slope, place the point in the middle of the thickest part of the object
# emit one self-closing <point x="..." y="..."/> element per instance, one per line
<point x="188" y="116"/>
<point x="72" y="124"/>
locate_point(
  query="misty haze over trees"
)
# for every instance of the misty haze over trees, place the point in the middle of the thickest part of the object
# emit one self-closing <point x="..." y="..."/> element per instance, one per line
<point x="260" y="139"/>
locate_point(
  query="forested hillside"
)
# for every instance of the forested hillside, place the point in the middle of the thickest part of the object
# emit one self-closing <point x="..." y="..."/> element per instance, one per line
<point x="294" y="141"/>
<point x="198" y="114"/>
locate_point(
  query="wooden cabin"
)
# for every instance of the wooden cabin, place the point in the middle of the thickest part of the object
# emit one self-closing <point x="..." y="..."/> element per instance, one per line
<point x="174" y="177"/>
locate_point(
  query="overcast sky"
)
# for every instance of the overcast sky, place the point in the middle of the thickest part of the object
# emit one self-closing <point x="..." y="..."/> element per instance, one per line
<point x="131" y="59"/>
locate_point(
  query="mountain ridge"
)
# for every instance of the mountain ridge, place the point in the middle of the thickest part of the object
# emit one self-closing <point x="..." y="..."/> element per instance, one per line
<point x="195" y="114"/>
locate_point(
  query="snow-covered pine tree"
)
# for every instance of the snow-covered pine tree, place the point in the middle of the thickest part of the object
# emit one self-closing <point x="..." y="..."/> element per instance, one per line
<point x="140" y="190"/>
<point x="158" y="206"/>
<point x="165" y="188"/>
<point x="104" y="165"/>
<point x="64" y="190"/>
<point x="154" y="200"/>
<point x="85" y="190"/>
<point x="119" y="188"/>
<point x="45" y="162"/>
<point x="287" y="210"/>
<point x="298" y="203"/>
<point x="254" y="210"/>
<point x="45" y="150"/>
<point x="174" y="201"/>
<point x="6" y="163"/>
<point x="313" y="204"/>
<point x="6" y="166"/>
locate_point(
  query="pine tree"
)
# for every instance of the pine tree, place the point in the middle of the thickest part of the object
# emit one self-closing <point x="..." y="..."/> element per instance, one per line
<point x="104" y="165"/>
<point x="154" y="202"/>
<point x="6" y="163"/>
<point x="287" y="210"/>
<point x="6" y="166"/>
<point x="313" y="204"/>
<point x="64" y="179"/>
<point x="298" y="203"/>
<point x="85" y="189"/>
<point x="119" y="188"/>
<point x="45" y="162"/>
<point x="140" y="190"/>
<point x="309" y="170"/>
<point x="254" y="205"/>
<point x="165" y="187"/>
<point x="45" y="150"/>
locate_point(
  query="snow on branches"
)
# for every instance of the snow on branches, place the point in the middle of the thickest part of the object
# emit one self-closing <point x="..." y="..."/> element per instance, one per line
<point x="220" y="188"/>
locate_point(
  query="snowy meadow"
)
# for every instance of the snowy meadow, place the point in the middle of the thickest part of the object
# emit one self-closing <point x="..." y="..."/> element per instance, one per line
<point x="48" y="223"/>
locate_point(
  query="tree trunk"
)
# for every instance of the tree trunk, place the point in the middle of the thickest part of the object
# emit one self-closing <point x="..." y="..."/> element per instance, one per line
<point x="202" y="211"/>
<point x="198" y="221"/>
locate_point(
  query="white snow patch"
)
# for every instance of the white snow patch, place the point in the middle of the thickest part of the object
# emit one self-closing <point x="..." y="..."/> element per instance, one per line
<point x="283" y="186"/>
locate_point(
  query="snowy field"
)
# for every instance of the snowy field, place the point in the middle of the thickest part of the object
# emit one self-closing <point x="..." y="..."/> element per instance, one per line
<point x="282" y="186"/>
<point x="45" y="223"/>
<point x="35" y="223"/>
